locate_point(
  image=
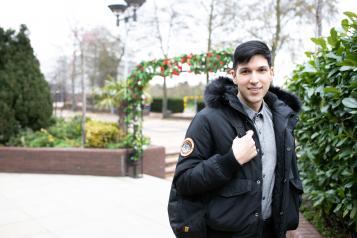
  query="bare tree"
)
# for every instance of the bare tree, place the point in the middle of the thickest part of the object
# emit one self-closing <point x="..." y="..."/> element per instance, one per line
<point x="276" y="21"/>
<point x="73" y="79"/>
<point x="78" y="36"/>
<point x="61" y="76"/>
<point x="104" y="53"/>
<point x="318" y="18"/>
<point x="324" y="11"/>
<point x="161" y="20"/>
<point x="216" y="21"/>
<point x="164" y="46"/>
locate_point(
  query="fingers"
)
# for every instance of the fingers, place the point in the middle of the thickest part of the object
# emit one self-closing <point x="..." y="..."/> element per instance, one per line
<point x="244" y="148"/>
<point x="249" y="133"/>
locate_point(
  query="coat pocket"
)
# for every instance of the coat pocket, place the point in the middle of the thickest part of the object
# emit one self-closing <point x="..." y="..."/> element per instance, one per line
<point x="194" y="225"/>
<point x="233" y="208"/>
<point x="294" y="202"/>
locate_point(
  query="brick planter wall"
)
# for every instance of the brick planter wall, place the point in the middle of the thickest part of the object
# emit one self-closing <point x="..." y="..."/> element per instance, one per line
<point x="106" y="162"/>
<point x="305" y="230"/>
<point x="154" y="161"/>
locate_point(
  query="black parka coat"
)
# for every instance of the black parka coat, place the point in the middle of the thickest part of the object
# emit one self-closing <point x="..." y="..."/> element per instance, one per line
<point x="219" y="197"/>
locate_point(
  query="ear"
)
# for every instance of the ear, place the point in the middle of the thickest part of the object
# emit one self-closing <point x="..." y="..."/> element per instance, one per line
<point x="272" y="71"/>
<point x="232" y="72"/>
<point x="271" y="74"/>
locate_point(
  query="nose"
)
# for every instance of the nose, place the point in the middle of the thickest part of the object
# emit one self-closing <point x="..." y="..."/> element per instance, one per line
<point x="254" y="78"/>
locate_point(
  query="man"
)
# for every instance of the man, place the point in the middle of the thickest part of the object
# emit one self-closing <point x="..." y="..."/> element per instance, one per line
<point x="237" y="175"/>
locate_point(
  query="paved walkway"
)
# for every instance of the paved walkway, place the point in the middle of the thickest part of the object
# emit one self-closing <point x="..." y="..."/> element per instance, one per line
<point x="72" y="206"/>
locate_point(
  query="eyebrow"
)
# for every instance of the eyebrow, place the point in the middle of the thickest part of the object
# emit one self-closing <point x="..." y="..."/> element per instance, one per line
<point x="243" y="68"/>
<point x="247" y="68"/>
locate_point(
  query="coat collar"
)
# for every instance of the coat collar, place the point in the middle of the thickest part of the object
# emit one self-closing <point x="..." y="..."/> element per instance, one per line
<point x="223" y="92"/>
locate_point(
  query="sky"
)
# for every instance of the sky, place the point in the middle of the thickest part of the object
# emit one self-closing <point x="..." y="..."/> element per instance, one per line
<point x="50" y="23"/>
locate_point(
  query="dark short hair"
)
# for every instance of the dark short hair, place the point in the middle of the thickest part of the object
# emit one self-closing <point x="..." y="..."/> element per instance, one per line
<point x="245" y="51"/>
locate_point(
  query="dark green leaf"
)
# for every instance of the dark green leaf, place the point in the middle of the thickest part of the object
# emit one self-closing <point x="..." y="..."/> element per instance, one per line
<point x="319" y="41"/>
<point x="350" y="14"/>
<point x="308" y="54"/>
<point x="345" y="68"/>
<point x="345" y="24"/>
<point x="331" y="90"/>
<point x="345" y="212"/>
<point x="332" y="39"/>
<point x="350" y="102"/>
<point x="349" y="185"/>
<point x="334" y="56"/>
<point x="353" y="212"/>
<point x="341" y="142"/>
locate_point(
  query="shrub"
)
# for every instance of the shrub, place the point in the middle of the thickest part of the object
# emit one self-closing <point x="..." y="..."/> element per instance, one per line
<point x="99" y="134"/>
<point x="68" y="134"/>
<point x="327" y="145"/>
<point x="67" y="129"/>
<point x="156" y="105"/>
<point x="25" y="99"/>
<point x="200" y="105"/>
<point x="175" y="105"/>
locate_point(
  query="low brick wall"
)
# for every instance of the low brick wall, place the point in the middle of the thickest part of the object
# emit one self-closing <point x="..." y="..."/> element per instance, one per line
<point x="106" y="162"/>
<point x="154" y="161"/>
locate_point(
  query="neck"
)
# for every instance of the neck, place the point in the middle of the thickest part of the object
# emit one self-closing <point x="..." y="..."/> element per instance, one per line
<point x="254" y="106"/>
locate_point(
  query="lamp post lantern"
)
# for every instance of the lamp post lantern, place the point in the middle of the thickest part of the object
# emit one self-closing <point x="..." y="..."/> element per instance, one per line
<point x="135" y="3"/>
<point x="120" y="8"/>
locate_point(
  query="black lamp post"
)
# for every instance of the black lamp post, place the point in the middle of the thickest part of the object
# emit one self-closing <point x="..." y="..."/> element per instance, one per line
<point x="119" y="9"/>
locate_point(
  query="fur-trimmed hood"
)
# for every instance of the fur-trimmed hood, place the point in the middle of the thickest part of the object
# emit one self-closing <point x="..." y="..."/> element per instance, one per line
<point x="220" y="90"/>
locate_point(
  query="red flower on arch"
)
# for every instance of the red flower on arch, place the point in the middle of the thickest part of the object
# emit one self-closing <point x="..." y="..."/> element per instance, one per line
<point x="175" y="72"/>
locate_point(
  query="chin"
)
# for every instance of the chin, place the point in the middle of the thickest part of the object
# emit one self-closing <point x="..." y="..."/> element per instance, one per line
<point x="256" y="99"/>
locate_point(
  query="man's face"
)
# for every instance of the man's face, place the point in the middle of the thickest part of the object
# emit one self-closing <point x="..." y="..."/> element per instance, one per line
<point x="253" y="80"/>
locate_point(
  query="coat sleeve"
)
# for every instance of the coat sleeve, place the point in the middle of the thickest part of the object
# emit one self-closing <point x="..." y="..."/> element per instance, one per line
<point x="202" y="170"/>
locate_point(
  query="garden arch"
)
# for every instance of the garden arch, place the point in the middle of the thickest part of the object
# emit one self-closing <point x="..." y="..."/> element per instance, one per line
<point x="214" y="61"/>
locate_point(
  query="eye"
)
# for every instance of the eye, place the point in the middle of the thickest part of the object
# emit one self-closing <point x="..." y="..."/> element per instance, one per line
<point x="263" y="70"/>
<point x="244" y="72"/>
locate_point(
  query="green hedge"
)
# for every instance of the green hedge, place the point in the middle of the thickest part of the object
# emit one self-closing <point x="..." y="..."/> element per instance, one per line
<point x="175" y="105"/>
<point x="200" y="105"/>
<point x="326" y="134"/>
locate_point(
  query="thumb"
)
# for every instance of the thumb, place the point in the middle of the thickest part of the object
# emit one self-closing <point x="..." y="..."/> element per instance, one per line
<point x="249" y="133"/>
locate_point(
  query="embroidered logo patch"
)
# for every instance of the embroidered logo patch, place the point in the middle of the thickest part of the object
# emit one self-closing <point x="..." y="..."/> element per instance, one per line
<point x="187" y="147"/>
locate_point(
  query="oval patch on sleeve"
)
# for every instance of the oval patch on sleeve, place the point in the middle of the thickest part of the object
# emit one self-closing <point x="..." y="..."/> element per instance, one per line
<point x="187" y="147"/>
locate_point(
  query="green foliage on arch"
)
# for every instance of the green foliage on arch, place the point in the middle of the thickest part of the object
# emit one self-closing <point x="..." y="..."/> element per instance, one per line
<point x="214" y="61"/>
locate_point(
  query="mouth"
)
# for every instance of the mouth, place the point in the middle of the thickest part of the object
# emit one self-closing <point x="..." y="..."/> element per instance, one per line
<point x="255" y="89"/>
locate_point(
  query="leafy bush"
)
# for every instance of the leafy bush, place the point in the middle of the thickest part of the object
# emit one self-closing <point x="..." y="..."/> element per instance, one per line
<point x="98" y="134"/>
<point x="327" y="145"/>
<point x="68" y="134"/>
<point x="25" y="99"/>
<point x="67" y="129"/>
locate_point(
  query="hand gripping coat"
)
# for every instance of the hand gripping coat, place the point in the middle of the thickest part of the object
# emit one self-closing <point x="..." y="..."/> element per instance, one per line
<point x="211" y="194"/>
